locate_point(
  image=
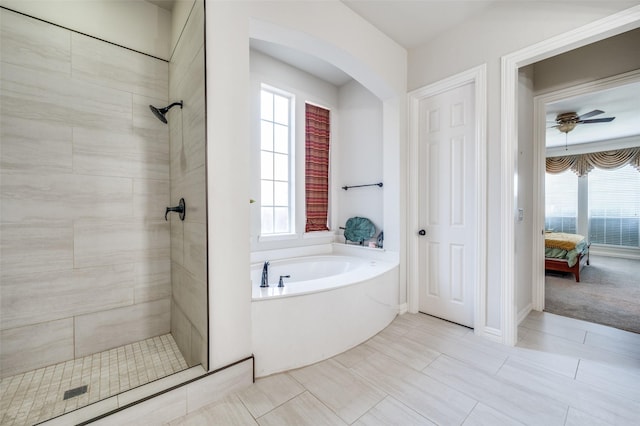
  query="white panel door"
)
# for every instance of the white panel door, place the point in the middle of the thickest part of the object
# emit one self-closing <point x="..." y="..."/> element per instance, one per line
<point x="447" y="234"/>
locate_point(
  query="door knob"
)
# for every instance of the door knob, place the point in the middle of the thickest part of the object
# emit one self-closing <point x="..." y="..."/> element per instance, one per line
<point x="422" y="232"/>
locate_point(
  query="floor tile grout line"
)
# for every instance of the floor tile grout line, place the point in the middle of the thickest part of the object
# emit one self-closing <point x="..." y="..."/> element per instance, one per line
<point x="411" y="409"/>
<point x="575" y="375"/>
<point x="280" y="405"/>
<point x="566" y="415"/>
<point x="600" y="351"/>
<point x="237" y="395"/>
<point x="33" y="401"/>
<point x="326" y="406"/>
<point x="502" y="365"/>
<point x="568" y="403"/>
<point x="470" y="412"/>
<point x="419" y="372"/>
<point x="6" y="413"/>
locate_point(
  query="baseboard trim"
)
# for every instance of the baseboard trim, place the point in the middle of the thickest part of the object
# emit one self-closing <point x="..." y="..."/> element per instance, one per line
<point x="524" y="312"/>
<point x="609" y="251"/>
<point x="492" y="334"/>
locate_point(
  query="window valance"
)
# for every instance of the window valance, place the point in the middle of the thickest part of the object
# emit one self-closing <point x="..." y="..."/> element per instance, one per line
<point x="584" y="163"/>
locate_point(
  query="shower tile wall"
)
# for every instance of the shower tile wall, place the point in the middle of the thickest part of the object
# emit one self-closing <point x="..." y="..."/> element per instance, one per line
<point x="85" y="250"/>
<point x="188" y="238"/>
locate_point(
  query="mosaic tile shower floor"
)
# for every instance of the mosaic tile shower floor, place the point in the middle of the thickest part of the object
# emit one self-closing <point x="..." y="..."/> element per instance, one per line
<point x="38" y="395"/>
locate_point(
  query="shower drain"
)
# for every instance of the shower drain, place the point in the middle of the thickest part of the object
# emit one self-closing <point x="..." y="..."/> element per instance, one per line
<point x="75" y="392"/>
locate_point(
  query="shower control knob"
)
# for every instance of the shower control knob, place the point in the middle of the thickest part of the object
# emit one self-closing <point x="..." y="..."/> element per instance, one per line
<point x="280" y="282"/>
<point x="422" y="232"/>
<point x="180" y="209"/>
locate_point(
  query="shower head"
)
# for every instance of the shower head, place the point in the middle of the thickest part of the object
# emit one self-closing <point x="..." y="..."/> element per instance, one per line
<point x="160" y="112"/>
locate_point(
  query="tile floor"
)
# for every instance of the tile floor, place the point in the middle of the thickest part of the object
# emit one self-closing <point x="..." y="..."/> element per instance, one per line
<point x="37" y="395"/>
<point x="424" y="371"/>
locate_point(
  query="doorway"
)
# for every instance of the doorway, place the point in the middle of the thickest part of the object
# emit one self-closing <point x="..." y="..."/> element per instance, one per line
<point x="597" y="30"/>
<point x="446" y="249"/>
<point x="447" y="125"/>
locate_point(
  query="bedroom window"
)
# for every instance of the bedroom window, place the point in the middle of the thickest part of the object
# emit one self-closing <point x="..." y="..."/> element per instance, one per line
<point x="605" y="201"/>
<point x="561" y="203"/>
<point x="614" y="206"/>
<point x="275" y="162"/>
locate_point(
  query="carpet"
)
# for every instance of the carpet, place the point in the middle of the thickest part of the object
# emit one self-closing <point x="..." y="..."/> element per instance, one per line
<point x="608" y="293"/>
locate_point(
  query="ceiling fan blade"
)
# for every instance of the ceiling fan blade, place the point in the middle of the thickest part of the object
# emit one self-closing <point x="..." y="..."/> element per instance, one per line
<point x="590" y="114"/>
<point x="597" y="120"/>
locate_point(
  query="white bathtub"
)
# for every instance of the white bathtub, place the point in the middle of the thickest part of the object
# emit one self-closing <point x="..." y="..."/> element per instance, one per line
<point x="330" y="304"/>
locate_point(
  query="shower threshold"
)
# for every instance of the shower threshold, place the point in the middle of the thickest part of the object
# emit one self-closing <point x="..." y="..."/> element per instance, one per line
<point x="37" y="395"/>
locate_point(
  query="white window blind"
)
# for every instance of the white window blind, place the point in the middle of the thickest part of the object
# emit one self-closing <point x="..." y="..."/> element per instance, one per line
<point x="561" y="202"/>
<point x="614" y="207"/>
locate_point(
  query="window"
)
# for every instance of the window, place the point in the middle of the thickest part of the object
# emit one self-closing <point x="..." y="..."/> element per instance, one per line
<point x="609" y="203"/>
<point x="614" y="206"/>
<point x="561" y="202"/>
<point x="275" y="164"/>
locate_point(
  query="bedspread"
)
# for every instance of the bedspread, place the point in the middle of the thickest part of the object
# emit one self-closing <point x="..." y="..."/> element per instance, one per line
<point x="554" y="246"/>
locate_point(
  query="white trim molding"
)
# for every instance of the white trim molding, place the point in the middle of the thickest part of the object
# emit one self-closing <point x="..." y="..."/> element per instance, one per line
<point x="598" y="30"/>
<point x="477" y="76"/>
<point x="402" y="309"/>
<point x="524" y="312"/>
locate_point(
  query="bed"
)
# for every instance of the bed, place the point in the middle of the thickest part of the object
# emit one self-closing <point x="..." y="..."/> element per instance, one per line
<point x="565" y="252"/>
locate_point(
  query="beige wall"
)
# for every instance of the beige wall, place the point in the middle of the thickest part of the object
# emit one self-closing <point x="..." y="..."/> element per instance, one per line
<point x="189" y="237"/>
<point x="85" y="180"/>
<point x="611" y="56"/>
<point x="138" y="25"/>
<point x="524" y="195"/>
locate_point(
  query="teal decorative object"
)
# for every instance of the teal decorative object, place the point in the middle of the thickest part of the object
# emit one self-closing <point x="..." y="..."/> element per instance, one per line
<point x="359" y="229"/>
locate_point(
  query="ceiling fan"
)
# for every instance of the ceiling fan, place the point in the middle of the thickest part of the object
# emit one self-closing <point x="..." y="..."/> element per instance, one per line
<point x="567" y="121"/>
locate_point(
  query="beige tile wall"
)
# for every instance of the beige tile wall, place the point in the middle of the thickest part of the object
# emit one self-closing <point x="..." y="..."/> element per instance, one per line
<point x="85" y="177"/>
<point x="187" y="147"/>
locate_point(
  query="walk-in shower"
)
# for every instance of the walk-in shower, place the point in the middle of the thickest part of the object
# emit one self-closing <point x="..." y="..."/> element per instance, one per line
<point x="103" y="292"/>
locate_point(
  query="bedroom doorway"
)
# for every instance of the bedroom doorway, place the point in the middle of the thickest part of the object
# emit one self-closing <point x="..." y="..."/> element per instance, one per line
<point x="596" y="199"/>
<point x="511" y="64"/>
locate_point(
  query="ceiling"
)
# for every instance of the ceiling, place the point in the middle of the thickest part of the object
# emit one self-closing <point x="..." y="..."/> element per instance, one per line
<point x="411" y="23"/>
<point x="621" y="102"/>
<point x="301" y="60"/>
<point x="164" y="4"/>
<point x="408" y="23"/>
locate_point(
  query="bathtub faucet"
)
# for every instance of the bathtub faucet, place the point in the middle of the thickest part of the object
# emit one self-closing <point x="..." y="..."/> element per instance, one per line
<point x="265" y="275"/>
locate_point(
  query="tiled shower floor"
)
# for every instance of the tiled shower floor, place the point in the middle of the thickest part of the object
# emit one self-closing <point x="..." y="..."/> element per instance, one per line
<point x="37" y="395"/>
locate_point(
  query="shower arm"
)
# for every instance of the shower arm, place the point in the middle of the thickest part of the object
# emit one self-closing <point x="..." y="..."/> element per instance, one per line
<point x="167" y="108"/>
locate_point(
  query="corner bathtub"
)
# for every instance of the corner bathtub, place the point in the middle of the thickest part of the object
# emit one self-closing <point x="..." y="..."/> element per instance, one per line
<point x="330" y="304"/>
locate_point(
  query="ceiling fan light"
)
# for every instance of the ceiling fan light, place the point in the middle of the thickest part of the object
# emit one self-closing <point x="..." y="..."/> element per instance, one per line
<point x="567" y="126"/>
